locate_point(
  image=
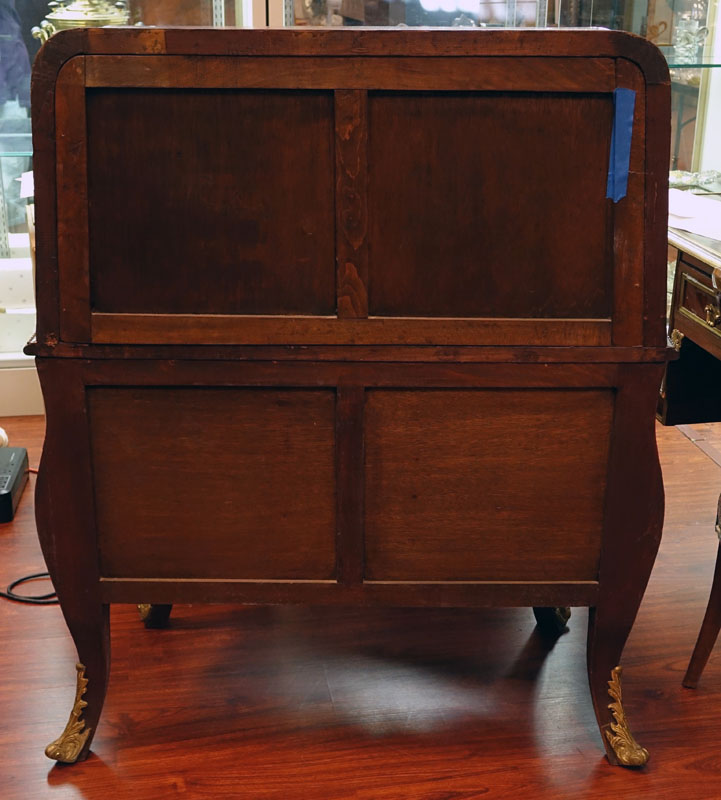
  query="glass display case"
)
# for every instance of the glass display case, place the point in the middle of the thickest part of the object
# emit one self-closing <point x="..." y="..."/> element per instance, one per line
<point x="17" y="312"/>
<point x="685" y="30"/>
<point x="17" y="321"/>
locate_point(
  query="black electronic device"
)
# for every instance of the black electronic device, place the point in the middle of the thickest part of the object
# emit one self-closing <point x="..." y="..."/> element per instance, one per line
<point x="13" y="477"/>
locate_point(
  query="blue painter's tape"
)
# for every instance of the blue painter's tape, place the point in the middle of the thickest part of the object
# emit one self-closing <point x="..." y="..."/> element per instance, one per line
<point x="624" y="101"/>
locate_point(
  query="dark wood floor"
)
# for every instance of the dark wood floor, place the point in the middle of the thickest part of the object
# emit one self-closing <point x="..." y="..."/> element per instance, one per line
<point x="295" y="703"/>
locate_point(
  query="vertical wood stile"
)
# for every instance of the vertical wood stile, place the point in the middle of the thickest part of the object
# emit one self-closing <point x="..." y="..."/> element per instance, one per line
<point x="351" y="148"/>
<point x="658" y="113"/>
<point x="349" y="484"/>
<point x="628" y="246"/>
<point x="72" y="203"/>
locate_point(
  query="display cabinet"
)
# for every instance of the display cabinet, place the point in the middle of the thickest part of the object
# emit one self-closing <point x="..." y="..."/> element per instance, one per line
<point x="685" y="30"/>
<point x="18" y="385"/>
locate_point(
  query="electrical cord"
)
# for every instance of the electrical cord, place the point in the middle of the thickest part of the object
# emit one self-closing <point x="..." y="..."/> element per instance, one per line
<point x="38" y="600"/>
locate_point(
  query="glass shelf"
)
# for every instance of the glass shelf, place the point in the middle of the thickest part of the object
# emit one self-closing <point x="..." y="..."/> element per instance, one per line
<point x="701" y="61"/>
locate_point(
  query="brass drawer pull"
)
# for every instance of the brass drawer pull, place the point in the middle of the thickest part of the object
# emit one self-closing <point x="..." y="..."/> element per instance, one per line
<point x="713" y="315"/>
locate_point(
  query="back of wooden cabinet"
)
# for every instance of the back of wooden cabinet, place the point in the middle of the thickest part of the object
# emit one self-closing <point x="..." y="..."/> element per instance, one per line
<point x="302" y="197"/>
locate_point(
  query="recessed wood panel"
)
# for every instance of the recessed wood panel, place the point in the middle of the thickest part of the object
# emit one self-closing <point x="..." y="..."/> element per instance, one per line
<point x="212" y="201"/>
<point x="485" y="484"/>
<point x="214" y="482"/>
<point x="486" y="204"/>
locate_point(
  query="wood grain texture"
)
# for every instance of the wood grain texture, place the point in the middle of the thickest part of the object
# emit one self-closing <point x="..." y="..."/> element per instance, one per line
<point x="208" y="227"/>
<point x="243" y="59"/>
<point x="658" y="143"/>
<point x="64" y="511"/>
<point x="72" y="203"/>
<point x="351" y="187"/>
<point x="632" y="525"/>
<point x="162" y="328"/>
<point x="435" y="43"/>
<point x="398" y="594"/>
<point x="377" y="704"/>
<point x="361" y="353"/>
<point x="628" y="220"/>
<point x="461" y="242"/>
<point x="222" y="193"/>
<point x="331" y="374"/>
<point x="485" y="485"/>
<point x="258" y="463"/>
<point x="349" y="448"/>
<point x="398" y="73"/>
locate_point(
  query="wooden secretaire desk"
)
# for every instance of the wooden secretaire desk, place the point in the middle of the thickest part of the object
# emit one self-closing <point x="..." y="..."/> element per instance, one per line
<point x="346" y="316"/>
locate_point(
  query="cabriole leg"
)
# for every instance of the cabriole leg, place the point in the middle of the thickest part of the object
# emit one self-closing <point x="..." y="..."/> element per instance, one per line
<point x="93" y="644"/>
<point x="604" y="677"/>
<point x="552" y="621"/>
<point x="709" y="628"/>
<point x="155" y="615"/>
<point x="66" y="528"/>
<point x="633" y="519"/>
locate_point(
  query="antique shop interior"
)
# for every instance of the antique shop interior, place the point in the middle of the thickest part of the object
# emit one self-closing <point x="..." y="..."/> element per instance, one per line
<point x="360" y="390"/>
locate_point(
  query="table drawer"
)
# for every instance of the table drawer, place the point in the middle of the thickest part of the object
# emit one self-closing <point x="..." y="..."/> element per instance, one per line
<point x="698" y="304"/>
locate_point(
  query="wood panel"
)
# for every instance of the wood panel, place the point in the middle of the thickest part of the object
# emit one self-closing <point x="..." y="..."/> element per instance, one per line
<point x="477" y="223"/>
<point x="230" y="211"/>
<point x="441" y="354"/>
<point x="388" y="42"/>
<point x="401" y="594"/>
<point x="214" y="483"/>
<point x="176" y="373"/>
<point x="485" y="485"/>
<point x="114" y="328"/>
<point x="406" y="73"/>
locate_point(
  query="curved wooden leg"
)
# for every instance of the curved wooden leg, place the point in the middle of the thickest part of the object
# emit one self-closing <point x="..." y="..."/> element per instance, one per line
<point x="66" y="529"/>
<point x="604" y="677"/>
<point x="552" y="621"/>
<point x="633" y="520"/>
<point x="709" y="629"/>
<point x="93" y="644"/>
<point x="155" y="615"/>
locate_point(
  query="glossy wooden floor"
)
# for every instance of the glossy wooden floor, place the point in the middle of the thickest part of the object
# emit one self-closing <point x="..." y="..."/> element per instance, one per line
<point x="295" y="703"/>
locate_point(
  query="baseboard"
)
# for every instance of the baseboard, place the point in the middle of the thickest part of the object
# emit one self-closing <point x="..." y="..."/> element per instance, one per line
<point x="20" y="393"/>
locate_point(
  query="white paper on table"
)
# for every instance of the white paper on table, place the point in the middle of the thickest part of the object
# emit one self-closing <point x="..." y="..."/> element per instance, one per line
<point x="694" y="213"/>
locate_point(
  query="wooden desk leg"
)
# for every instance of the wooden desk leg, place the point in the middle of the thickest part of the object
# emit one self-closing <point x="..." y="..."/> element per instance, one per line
<point x="89" y="625"/>
<point x="92" y="640"/>
<point x="552" y="621"/>
<point x="604" y="677"/>
<point x="66" y="529"/>
<point x="155" y="615"/>
<point x="709" y="628"/>
<point x="633" y="522"/>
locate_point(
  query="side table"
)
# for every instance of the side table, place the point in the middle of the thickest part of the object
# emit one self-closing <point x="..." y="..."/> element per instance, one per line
<point x="692" y="383"/>
<point x="690" y="391"/>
